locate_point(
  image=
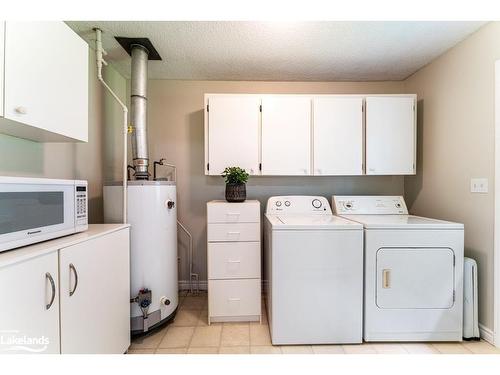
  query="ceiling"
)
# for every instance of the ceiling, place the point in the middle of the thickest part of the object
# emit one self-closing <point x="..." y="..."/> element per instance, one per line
<point x="282" y="51"/>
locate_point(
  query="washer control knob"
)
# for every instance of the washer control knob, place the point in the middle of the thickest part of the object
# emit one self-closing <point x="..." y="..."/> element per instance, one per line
<point x="316" y="203"/>
<point x="287" y="203"/>
<point x="278" y="203"/>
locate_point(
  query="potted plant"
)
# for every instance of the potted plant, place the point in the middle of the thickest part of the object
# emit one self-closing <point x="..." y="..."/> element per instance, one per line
<point x="236" y="179"/>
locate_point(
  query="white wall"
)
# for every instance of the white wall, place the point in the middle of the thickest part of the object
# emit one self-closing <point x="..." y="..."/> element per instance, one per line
<point x="456" y="131"/>
<point x="175" y="126"/>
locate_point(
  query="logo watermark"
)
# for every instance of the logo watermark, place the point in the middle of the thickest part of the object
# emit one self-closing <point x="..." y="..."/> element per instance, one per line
<point x="15" y="341"/>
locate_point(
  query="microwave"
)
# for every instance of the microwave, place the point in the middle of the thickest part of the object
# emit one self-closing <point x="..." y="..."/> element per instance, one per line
<point x="39" y="209"/>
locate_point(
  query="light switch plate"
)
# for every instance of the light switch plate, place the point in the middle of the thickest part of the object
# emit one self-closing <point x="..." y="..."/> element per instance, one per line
<point x="478" y="185"/>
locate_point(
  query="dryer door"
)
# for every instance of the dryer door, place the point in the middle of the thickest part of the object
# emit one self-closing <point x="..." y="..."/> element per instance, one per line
<point x="415" y="278"/>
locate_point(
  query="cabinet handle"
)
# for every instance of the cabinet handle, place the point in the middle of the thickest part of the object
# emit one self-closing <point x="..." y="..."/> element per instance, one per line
<point x="48" y="276"/>
<point x="233" y="214"/>
<point x="234" y="261"/>
<point x="386" y="279"/>
<point x="233" y="233"/>
<point x="234" y="299"/>
<point x="72" y="268"/>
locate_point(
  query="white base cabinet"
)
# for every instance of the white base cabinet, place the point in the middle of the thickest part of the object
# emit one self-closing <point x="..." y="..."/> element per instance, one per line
<point x="70" y="295"/>
<point x="234" y="265"/>
<point x="95" y="295"/>
<point x="29" y="312"/>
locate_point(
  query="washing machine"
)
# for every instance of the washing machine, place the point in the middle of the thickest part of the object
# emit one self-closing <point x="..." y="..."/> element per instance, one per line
<point x="413" y="271"/>
<point x="313" y="272"/>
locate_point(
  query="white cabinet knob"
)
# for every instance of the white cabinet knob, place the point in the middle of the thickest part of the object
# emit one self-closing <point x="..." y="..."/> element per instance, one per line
<point x="21" y="110"/>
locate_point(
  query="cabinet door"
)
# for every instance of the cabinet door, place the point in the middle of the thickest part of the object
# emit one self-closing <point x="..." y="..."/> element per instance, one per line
<point x="233" y="133"/>
<point x="390" y="135"/>
<point x="286" y="135"/>
<point x="46" y="81"/>
<point x="95" y="295"/>
<point x="338" y="136"/>
<point x="29" y="313"/>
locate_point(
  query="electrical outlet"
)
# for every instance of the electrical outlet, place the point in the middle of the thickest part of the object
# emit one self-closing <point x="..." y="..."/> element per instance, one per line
<point x="478" y="185"/>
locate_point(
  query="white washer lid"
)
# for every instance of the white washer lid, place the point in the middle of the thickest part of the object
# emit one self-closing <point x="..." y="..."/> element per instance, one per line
<point x="314" y="222"/>
<point x="402" y="222"/>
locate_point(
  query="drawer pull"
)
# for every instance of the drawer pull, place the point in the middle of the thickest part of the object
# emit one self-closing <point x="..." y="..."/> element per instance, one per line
<point x="233" y="214"/>
<point x="234" y="261"/>
<point x="233" y="233"/>
<point x="234" y="299"/>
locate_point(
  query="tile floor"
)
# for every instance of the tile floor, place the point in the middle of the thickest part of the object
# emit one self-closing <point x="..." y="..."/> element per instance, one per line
<point x="190" y="333"/>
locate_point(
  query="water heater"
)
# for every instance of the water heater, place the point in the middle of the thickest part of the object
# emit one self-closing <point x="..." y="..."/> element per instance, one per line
<point x="152" y="214"/>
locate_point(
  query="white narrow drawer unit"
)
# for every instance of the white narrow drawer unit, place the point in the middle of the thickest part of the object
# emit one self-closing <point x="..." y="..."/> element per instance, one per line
<point x="234" y="297"/>
<point x="233" y="232"/>
<point x="221" y="212"/>
<point x="228" y="260"/>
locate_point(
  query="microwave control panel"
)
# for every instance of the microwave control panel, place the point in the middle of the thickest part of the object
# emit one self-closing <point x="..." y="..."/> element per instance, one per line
<point x="81" y="204"/>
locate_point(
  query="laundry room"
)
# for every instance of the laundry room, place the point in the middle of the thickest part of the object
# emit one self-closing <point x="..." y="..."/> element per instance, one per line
<point x="221" y="187"/>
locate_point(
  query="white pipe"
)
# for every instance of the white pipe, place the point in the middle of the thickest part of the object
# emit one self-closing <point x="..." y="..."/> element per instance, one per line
<point x="190" y="260"/>
<point x="100" y="62"/>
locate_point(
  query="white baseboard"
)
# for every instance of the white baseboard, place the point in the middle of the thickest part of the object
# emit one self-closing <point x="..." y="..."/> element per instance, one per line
<point x="486" y="334"/>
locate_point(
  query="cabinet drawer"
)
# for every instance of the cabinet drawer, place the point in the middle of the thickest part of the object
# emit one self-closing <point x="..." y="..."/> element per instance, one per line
<point x="233" y="260"/>
<point x="233" y="232"/>
<point x="234" y="297"/>
<point x="222" y="212"/>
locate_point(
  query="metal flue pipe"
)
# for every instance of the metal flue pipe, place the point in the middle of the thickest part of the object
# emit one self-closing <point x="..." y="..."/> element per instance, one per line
<point x="138" y="113"/>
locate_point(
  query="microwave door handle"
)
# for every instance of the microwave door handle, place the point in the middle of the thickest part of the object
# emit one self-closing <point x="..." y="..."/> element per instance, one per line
<point x="72" y="268"/>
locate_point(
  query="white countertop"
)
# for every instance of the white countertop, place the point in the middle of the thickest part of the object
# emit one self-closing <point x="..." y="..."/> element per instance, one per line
<point x="23" y="253"/>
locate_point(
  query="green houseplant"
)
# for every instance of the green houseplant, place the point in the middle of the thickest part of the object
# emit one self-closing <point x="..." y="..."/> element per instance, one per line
<point x="236" y="179"/>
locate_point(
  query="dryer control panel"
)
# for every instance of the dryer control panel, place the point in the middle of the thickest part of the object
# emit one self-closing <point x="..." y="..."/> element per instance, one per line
<point x="369" y="205"/>
<point x="298" y="205"/>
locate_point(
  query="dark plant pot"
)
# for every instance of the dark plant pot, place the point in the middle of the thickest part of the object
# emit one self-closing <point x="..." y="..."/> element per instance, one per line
<point x="236" y="192"/>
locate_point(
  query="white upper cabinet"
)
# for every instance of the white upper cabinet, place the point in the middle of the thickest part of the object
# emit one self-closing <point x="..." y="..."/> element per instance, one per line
<point x="311" y="135"/>
<point x="338" y="135"/>
<point x="233" y="130"/>
<point x="45" y="82"/>
<point x="286" y="135"/>
<point x="390" y="135"/>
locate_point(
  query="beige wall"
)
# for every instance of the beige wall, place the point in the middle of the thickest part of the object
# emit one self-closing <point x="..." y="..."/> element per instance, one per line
<point x="456" y="142"/>
<point x="176" y="133"/>
<point x="19" y="157"/>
